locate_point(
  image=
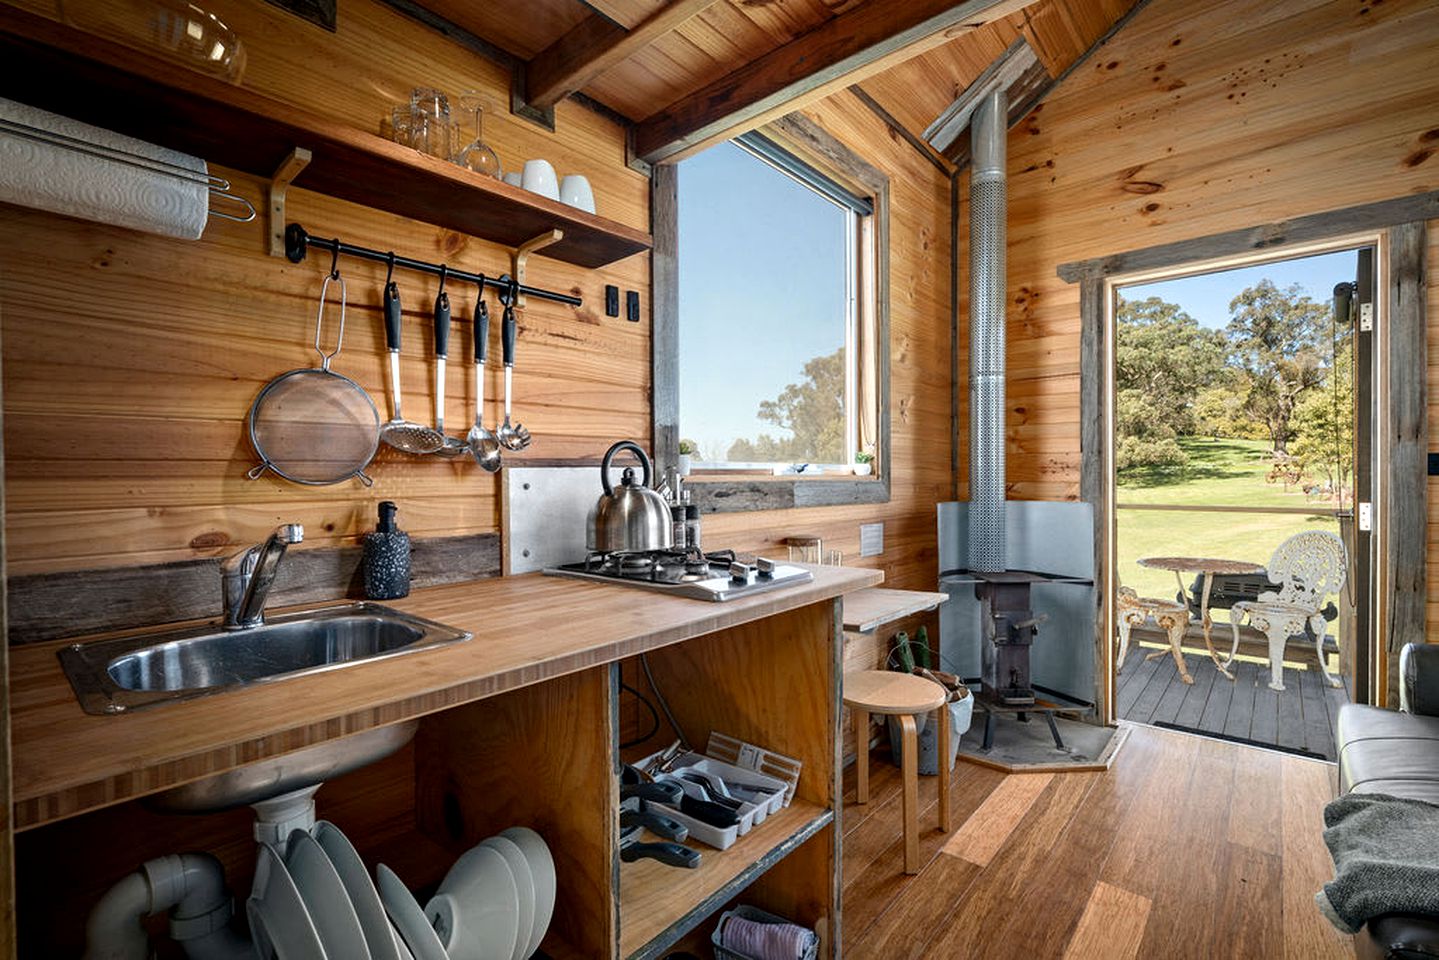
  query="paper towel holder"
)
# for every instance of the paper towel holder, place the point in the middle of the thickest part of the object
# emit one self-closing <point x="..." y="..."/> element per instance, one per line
<point x="219" y="187"/>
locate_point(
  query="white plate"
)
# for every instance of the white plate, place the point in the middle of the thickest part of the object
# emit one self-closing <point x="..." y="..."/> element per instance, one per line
<point x="409" y="919"/>
<point x="325" y="897"/>
<point x="476" y="911"/>
<point x="519" y="865"/>
<point x="405" y="953"/>
<point x="542" y="872"/>
<point x="279" y="923"/>
<point x="379" y="935"/>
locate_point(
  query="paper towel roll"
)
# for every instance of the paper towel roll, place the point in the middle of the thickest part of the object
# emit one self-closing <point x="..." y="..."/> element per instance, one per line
<point x="78" y="184"/>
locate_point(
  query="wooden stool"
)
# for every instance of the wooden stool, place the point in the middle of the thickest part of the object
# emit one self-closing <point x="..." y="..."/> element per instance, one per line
<point x="903" y="695"/>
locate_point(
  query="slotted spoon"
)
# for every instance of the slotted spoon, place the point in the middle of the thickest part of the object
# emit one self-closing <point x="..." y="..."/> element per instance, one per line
<point x="398" y="432"/>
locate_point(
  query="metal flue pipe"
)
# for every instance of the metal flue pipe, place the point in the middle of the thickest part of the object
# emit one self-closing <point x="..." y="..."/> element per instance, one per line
<point x="987" y="258"/>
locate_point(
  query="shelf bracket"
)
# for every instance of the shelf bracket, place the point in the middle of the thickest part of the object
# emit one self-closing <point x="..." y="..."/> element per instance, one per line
<point x="285" y="174"/>
<point x="520" y="254"/>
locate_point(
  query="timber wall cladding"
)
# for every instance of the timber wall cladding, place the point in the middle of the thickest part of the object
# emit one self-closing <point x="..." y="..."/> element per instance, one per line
<point x="1194" y="120"/>
<point x="131" y="360"/>
<point x="145" y="353"/>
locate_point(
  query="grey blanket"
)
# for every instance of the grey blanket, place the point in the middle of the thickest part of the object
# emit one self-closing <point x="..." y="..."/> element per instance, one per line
<point x="1386" y="859"/>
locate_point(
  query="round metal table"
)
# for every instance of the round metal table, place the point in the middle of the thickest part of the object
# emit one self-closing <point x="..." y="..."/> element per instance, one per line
<point x="1209" y="567"/>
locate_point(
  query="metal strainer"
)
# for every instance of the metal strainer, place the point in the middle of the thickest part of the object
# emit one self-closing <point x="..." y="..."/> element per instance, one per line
<point x="314" y="426"/>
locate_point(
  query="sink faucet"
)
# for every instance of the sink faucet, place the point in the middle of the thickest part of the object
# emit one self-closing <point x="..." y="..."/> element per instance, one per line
<point x="247" y="577"/>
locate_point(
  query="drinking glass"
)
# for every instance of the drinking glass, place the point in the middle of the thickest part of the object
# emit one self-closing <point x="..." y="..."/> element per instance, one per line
<point x="477" y="155"/>
<point x="430" y="122"/>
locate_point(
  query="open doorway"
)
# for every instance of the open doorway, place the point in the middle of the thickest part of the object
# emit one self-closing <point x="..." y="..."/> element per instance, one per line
<point x="1238" y="457"/>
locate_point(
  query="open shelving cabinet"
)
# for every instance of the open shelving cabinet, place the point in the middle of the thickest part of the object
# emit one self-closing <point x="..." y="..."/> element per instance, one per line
<point x="98" y="81"/>
<point x="546" y="756"/>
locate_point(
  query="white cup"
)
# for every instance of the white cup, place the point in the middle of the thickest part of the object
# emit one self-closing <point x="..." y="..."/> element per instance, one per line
<point x="539" y="177"/>
<point x="575" y="191"/>
<point x="513" y="179"/>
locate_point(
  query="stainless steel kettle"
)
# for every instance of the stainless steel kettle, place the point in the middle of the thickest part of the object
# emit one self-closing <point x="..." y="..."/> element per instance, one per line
<point x="631" y="518"/>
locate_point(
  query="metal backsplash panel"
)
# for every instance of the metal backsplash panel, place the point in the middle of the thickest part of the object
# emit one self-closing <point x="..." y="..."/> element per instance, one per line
<point x="1043" y="536"/>
<point x="545" y="515"/>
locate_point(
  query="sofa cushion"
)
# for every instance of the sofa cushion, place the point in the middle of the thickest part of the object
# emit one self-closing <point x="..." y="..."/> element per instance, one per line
<point x="1381" y="751"/>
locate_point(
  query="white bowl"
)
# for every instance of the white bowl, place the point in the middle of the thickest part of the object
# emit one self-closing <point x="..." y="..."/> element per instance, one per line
<point x="542" y="870"/>
<point x="476" y="910"/>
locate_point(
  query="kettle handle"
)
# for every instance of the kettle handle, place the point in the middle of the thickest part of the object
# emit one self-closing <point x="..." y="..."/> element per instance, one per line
<point x="639" y="451"/>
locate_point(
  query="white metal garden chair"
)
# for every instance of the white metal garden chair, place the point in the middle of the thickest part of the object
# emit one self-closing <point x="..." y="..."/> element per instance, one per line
<point x="1308" y="567"/>
<point x="1132" y="610"/>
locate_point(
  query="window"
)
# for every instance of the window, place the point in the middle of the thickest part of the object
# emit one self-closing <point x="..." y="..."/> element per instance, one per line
<point x="776" y="334"/>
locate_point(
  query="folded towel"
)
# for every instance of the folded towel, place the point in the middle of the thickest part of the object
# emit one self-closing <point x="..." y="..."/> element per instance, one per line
<point x="767" y="941"/>
<point x="72" y="182"/>
<point x="1386" y="859"/>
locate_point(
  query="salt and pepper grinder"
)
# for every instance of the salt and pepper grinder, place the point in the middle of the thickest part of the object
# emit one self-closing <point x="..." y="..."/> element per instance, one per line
<point x="692" y="526"/>
<point x="386" y="558"/>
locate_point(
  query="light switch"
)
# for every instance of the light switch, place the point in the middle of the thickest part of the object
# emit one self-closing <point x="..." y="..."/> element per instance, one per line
<point x="871" y="539"/>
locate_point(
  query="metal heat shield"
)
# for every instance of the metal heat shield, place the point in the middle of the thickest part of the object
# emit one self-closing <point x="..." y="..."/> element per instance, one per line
<point x="1045" y="537"/>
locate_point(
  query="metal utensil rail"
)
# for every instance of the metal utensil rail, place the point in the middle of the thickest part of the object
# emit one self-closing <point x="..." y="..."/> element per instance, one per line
<point x="298" y="241"/>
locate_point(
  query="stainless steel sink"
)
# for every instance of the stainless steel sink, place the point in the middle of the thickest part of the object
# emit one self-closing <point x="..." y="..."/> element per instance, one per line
<point x="127" y="673"/>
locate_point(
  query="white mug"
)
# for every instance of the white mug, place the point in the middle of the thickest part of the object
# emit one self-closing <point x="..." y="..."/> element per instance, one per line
<point x="513" y="179"/>
<point x="575" y="191"/>
<point x="539" y="177"/>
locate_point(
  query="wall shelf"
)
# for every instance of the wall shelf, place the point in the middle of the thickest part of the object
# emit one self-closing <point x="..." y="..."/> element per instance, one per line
<point x="659" y="904"/>
<point x="104" y="83"/>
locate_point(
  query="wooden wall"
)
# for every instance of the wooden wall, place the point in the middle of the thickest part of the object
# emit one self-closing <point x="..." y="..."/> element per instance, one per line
<point x="1190" y="121"/>
<point x="130" y="361"/>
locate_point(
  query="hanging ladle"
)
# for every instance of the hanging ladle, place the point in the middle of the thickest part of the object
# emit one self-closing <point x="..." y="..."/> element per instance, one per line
<point x="484" y="445"/>
<point x="451" y="447"/>
<point x="398" y="432"/>
<point x="514" y="437"/>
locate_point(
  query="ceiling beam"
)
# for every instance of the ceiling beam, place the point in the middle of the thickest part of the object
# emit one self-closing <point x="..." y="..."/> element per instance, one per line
<point x="842" y="51"/>
<point x="593" y="46"/>
<point x="1001" y="74"/>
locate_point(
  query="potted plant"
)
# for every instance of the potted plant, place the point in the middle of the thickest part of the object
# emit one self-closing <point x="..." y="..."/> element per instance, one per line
<point x="687" y="450"/>
<point x="863" y="464"/>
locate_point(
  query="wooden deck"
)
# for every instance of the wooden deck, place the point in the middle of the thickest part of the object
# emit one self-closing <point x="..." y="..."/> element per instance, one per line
<point x="1302" y="718"/>
<point x="1185" y="848"/>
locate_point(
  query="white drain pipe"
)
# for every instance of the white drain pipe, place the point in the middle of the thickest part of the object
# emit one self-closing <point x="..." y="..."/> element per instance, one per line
<point x="191" y="886"/>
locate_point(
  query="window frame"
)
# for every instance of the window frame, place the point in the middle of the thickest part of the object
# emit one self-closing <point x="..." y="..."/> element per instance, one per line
<point x="826" y="160"/>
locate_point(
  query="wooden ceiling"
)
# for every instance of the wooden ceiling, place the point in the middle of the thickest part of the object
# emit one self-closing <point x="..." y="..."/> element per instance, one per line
<point x="667" y="65"/>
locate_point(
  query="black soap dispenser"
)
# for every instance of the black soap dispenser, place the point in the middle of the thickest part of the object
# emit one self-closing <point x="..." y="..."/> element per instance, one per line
<point x="386" y="561"/>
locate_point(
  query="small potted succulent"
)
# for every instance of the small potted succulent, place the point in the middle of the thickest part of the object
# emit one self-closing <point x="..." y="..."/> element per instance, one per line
<point x="687" y="450"/>
<point x="863" y="464"/>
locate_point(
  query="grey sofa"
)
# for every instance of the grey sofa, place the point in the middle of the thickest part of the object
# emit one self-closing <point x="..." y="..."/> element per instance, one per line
<point x="1381" y="751"/>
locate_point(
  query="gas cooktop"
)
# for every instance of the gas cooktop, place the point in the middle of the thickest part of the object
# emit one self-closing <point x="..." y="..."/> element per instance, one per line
<point x="708" y="576"/>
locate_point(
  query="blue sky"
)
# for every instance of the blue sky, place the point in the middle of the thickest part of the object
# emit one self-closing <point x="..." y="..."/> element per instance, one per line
<point x="1206" y="297"/>
<point x="761" y="291"/>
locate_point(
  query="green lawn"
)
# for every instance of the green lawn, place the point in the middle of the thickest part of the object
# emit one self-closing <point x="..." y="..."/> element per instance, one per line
<point x="1219" y="473"/>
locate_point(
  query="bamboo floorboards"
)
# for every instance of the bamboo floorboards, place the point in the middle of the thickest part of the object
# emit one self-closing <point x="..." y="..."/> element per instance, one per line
<point x="1185" y="847"/>
<point x="1302" y="717"/>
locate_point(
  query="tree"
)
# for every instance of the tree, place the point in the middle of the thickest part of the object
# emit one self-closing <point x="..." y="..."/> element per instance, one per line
<point x="1167" y="357"/>
<point x="1162" y="358"/>
<point x="1274" y="338"/>
<point x="813" y="413"/>
<point x="1323" y="424"/>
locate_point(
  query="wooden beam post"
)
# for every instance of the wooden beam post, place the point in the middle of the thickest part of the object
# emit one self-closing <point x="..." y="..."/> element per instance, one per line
<point x="593" y="46"/>
<point x="1093" y="474"/>
<point x="843" y="50"/>
<point x="1404" y="449"/>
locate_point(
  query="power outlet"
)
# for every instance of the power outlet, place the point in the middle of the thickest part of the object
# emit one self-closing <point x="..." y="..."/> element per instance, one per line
<point x="871" y="539"/>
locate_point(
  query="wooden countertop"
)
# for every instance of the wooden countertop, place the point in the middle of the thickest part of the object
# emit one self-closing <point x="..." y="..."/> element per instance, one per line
<point x="526" y="629"/>
<point x="866" y="610"/>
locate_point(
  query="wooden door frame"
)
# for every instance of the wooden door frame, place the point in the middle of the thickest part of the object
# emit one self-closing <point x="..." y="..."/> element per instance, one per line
<point x="1402" y="423"/>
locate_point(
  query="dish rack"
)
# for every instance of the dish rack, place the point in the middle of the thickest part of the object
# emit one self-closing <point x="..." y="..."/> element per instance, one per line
<point x="758" y="916"/>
